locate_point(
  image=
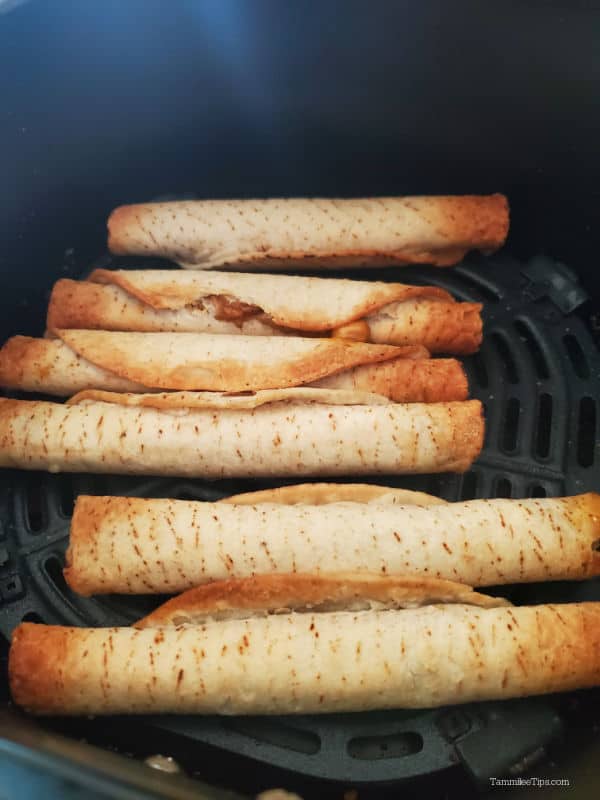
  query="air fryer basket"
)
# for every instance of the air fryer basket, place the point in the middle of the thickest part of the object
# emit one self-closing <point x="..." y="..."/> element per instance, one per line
<point x="538" y="376"/>
<point x="112" y="102"/>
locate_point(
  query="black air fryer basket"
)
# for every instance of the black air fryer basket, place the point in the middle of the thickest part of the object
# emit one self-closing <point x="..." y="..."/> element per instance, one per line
<point x="138" y="101"/>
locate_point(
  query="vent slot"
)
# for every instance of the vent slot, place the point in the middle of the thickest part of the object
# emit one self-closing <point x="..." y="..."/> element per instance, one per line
<point x="31" y="616"/>
<point x="544" y="426"/>
<point x="480" y="373"/>
<point x="434" y="485"/>
<point x="510" y="368"/>
<point x="54" y="570"/>
<point x="35" y="506"/>
<point x="586" y="432"/>
<point x="576" y="356"/>
<point x="373" y="748"/>
<point x="535" y="490"/>
<point x="503" y="488"/>
<point x="538" y="358"/>
<point x="66" y="496"/>
<point x="468" y="489"/>
<point x="510" y="430"/>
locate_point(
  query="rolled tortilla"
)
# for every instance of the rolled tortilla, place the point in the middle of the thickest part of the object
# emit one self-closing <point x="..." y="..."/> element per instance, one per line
<point x="49" y="366"/>
<point x="130" y="362"/>
<point x="316" y="494"/>
<point x="313" y="233"/>
<point x="309" y="663"/>
<point x="405" y="380"/>
<point x="285" y="432"/>
<point x="134" y="545"/>
<point x="242" y="598"/>
<point x="178" y="402"/>
<point x="267" y="305"/>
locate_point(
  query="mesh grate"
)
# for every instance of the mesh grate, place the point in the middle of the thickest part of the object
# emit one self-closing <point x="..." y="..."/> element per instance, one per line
<point x="538" y="375"/>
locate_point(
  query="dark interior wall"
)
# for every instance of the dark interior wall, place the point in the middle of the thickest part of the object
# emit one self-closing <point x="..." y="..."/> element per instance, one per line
<point x="117" y="101"/>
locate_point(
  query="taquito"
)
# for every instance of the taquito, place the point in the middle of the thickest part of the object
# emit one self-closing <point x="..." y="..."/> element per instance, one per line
<point x="312" y="233"/>
<point x="139" y="362"/>
<point x="242" y="598"/>
<point x="311" y="662"/>
<point x="135" y="545"/>
<point x="272" y="433"/>
<point x="316" y="494"/>
<point x="267" y="305"/>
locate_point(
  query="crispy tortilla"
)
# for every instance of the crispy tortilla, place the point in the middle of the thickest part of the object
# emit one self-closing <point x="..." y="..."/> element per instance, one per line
<point x="313" y="233"/>
<point x="275" y="433"/>
<point x="142" y="362"/>
<point x="252" y="304"/>
<point x="309" y="663"/>
<point x="242" y="598"/>
<point x="132" y="545"/>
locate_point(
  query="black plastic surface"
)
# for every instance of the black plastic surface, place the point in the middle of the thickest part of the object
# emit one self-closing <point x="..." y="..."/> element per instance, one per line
<point x="538" y="374"/>
<point x="511" y="742"/>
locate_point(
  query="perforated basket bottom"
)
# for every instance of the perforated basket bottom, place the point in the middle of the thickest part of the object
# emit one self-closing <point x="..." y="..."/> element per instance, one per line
<point x="538" y="375"/>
